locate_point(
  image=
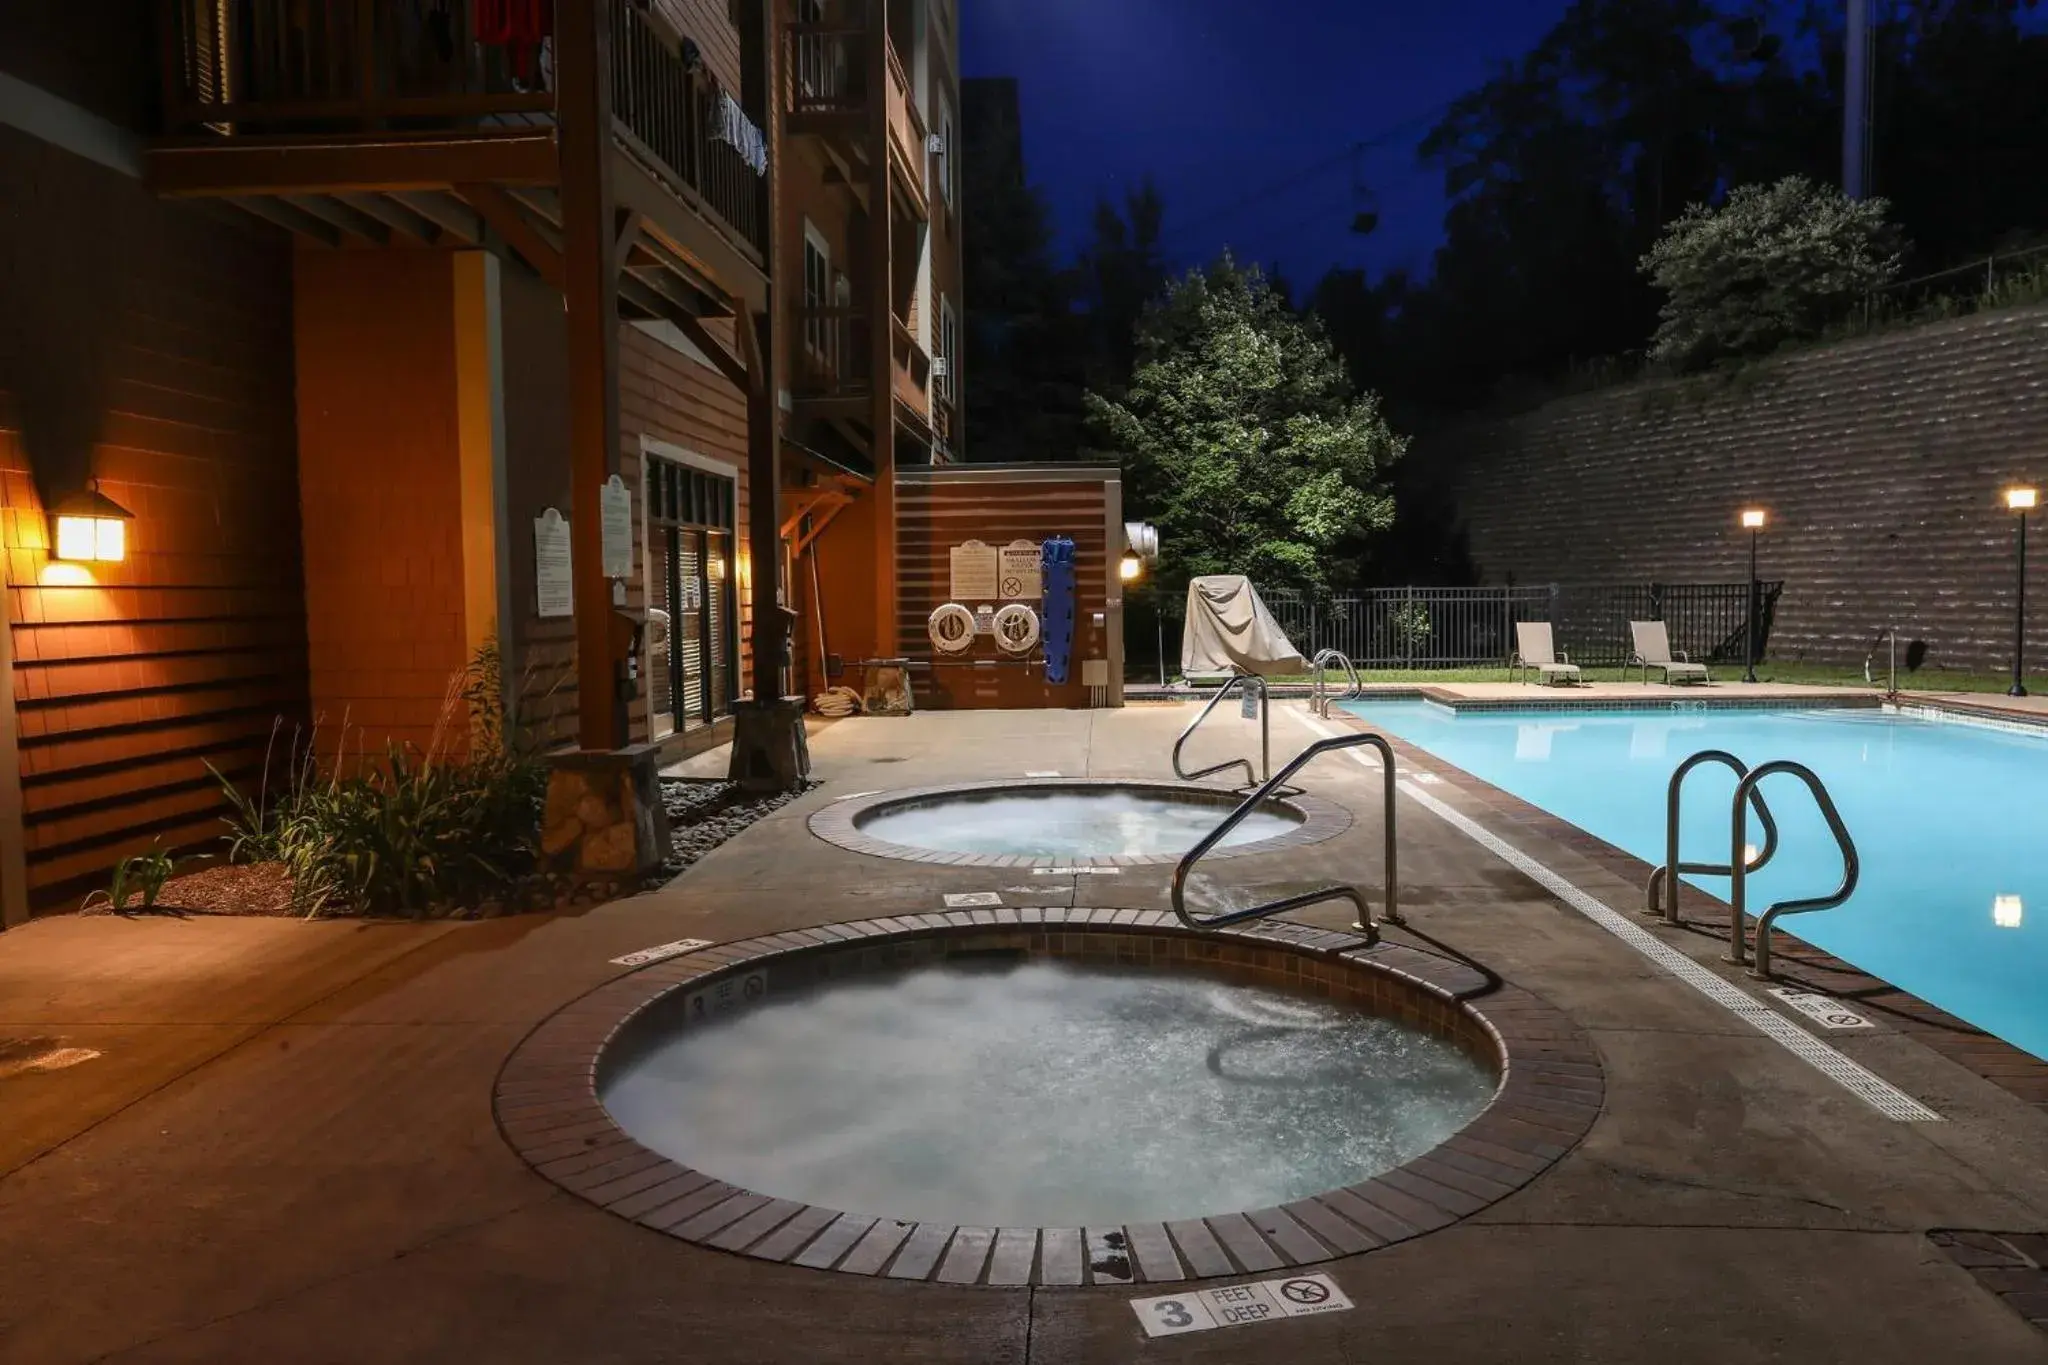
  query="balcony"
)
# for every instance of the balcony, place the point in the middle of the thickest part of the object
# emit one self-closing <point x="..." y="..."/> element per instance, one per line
<point x="360" y="118"/>
<point x="833" y="368"/>
<point x="826" y="95"/>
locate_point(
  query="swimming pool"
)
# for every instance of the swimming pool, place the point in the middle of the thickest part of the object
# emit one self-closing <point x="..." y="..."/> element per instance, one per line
<point x="1951" y="821"/>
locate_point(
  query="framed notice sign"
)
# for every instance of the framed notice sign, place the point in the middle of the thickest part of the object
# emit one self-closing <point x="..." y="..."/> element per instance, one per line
<point x="1017" y="566"/>
<point x="976" y="576"/>
<point x="553" y="585"/>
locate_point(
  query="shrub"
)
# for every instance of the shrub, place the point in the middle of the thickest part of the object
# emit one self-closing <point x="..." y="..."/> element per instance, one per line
<point x="412" y="830"/>
<point x="1776" y="263"/>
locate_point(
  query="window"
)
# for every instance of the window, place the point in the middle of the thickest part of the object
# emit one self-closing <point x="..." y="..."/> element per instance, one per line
<point x="943" y="171"/>
<point x="949" y="350"/>
<point x="818" y="295"/>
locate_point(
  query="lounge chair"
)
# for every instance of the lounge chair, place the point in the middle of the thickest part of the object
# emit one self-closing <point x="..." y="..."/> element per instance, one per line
<point x="1653" y="650"/>
<point x="1534" y="652"/>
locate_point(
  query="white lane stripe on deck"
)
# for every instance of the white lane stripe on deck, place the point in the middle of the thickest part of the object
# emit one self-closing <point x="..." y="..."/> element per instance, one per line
<point x="1859" y="1081"/>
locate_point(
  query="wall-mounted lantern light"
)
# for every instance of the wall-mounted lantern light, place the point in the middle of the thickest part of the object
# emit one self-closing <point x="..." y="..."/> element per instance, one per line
<point x="90" y="527"/>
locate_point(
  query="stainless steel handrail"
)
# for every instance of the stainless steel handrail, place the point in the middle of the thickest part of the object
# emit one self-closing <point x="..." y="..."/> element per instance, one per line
<point x="1319" y="700"/>
<point x="1364" y="924"/>
<point x="1890" y="634"/>
<point x="1666" y="874"/>
<point x="1852" y="866"/>
<point x="1265" y="734"/>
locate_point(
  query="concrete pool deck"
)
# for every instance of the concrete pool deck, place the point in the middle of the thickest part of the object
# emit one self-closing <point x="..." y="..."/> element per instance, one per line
<point x="286" y="1149"/>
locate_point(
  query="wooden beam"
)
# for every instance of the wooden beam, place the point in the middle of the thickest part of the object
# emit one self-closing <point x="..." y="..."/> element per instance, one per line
<point x="227" y="166"/>
<point x="700" y="336"/>
<point x="626" y="238"/>
<point x="750" y="350"/>
<point x="764" y="410"/>
<point x="348" y="221"/>
<point x="502" y="214"/>
<point x="445" y="212"/>
<point x="881" y="312"/>
<point x="394" y="215"/>
<point x="296" y="221"/>
<point x="589" y="278"/>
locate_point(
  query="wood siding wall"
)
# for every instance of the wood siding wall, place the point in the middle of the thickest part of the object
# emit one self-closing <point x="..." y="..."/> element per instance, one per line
<point x="663" y="393"/>
<point x="380" y="484"/>
<point x="1880" y="461"/>
<point x="148" y="344"/>
<point x="948" y="506"/>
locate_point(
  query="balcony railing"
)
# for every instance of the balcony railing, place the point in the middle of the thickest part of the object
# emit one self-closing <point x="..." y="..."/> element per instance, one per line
<point x="667" y="116"/>
<point x="832" y="359"/>
<point x="911" y="375"/>
<point x="285" y="66"/>
<point x="906" y="124"/>
<point x="289" y="67"/>
<point x="826" y="68"/>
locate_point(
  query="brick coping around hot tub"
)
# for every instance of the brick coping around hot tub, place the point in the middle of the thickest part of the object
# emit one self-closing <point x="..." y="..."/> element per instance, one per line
<point x="1549" y="1094"/>
<point x="839" y="823"/>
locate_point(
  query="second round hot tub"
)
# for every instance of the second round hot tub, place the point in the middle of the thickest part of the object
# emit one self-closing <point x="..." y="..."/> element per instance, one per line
<point x="1088" y="822"/>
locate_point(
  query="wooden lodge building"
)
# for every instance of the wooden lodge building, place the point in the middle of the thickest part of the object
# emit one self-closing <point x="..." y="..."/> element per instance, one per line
<point x="332" y="311"/>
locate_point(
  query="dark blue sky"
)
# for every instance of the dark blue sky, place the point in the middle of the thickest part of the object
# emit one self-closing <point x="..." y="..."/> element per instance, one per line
<point x="1218" y="104"/>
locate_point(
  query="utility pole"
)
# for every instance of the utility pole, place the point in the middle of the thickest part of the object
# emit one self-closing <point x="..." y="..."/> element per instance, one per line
<point x="1856" y="59"/>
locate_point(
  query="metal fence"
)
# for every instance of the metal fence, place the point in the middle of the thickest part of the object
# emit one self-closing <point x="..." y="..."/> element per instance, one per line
<point x="1475" y="627"/>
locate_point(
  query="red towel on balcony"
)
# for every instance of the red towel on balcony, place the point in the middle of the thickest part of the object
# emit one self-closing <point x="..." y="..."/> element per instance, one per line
<point x="520" y="25"/>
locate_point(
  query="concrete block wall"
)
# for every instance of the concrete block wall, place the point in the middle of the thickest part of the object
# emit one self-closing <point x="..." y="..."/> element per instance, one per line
<point x="1880" y="461"/>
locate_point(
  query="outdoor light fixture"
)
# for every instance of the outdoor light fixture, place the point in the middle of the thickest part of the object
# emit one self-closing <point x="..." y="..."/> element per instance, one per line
<point x="1141" y="547"/>
<point x="2006" y="911"/>
<point x="2020" y="500"/>
<point x="90" y="527"/>
<point x="1752" y="522"/>
<point x="1130" y="567"/>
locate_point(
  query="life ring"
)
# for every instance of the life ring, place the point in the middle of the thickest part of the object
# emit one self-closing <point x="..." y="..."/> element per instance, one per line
<point x="1016" y="629"/>
<point x="952" y="628"/>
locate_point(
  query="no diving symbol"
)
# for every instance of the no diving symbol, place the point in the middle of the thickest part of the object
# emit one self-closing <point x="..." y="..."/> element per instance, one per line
<point x="1304" y="1291"/>
<point x="1013" y="586"/>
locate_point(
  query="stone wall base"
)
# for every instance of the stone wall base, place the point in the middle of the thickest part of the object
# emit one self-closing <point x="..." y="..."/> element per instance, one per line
<point x="605" y="816"/>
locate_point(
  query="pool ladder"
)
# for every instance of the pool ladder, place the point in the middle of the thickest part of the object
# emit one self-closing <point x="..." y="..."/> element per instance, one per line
<point x="1662" y="892"/>
<point x="1319" y="701"/>
<point x="1365" y="924"/>
<point x="1250" y="682"/>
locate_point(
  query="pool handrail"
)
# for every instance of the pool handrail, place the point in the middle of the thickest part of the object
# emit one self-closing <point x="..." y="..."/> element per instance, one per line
<point x="1265" y="734"/>
<point x="1319" y="699"/>
<point x="1672" y="869"/>
<point x="1890" y="634"/>
<point x="1852" y="865"/>
<point x="1365" y="924"/>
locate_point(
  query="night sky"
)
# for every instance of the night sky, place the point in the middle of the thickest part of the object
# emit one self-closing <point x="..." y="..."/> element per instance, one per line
<point x="1218" y="106"/>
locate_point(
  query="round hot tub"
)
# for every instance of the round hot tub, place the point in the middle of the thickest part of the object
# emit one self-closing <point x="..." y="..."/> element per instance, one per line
<point x="1088" y="822"/>
<point x="1048" y="1096"/>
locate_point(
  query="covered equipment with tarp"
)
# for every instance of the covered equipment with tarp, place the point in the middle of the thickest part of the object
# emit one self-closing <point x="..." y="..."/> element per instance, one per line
<point x="1229" y="630"/>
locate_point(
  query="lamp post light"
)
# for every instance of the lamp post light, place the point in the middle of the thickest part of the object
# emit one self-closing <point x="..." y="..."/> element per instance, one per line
<point x="2019" y="500"/>
<point x="1752" y="522"/>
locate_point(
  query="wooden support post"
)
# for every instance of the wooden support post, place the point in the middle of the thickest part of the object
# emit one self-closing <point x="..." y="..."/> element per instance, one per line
<point x="764" y="527"/>
<point x="882" y="328"/>
<point x="591" y="291"/>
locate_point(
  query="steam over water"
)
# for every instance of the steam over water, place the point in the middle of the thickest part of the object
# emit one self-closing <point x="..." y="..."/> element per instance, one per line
<point x="1075" y="824"/>
<point x="1045" y="1094"/>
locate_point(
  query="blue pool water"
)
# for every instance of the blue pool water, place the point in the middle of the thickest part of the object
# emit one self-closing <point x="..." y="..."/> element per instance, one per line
<point x="1948" y="819"/>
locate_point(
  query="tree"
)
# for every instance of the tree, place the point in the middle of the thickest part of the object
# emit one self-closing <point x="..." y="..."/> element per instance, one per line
<point x="1023" y="367"/>
<point x="1121" y="271"/>
<point x="1244" y="439"/>
<point x="1773" y="264"/>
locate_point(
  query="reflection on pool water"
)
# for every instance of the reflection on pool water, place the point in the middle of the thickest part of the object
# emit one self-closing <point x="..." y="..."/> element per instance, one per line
<point x="1046" y="1094"/>
<point x="1950" y="820"/>
<point x="1081" y="824"/>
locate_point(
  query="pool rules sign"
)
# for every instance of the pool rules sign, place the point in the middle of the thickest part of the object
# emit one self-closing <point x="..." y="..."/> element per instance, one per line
<point x="1240" y="1305"/>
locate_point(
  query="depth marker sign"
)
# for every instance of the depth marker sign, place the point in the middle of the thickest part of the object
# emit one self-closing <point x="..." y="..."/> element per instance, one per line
<point x="1240" y="1305"/>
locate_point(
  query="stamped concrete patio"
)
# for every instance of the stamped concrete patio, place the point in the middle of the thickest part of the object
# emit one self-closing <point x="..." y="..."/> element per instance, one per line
<point x="286" y="1148"/>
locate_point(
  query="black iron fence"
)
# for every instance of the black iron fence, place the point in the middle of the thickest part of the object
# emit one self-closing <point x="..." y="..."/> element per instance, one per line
<point x="1427" y="628"/>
